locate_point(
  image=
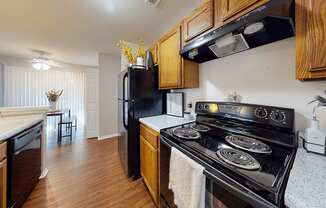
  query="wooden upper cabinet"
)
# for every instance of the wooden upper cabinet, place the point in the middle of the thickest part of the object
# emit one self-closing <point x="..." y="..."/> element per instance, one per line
<point x="153" y="50"/>
<point x="310" y="39"/>
<point x="174" y="72"/>
<point x="201" y="20"/>
<point x="233" y="9"/>
<point x="170" y="74"/>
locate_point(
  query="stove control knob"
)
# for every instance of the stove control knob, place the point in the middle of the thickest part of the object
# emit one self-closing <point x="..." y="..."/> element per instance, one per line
<point x="206" y="106"/>
<point x="278" y="116"/>
<point x="261" y="112"/>
<point x="200" y="107"/>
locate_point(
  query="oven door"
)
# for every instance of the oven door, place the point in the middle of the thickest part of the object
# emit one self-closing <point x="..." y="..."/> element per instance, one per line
<point x="221" y="191"/>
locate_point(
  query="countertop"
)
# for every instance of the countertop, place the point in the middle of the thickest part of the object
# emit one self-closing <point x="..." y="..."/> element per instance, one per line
<point x="11" y="125"/>
<point x="163" y="121"/>
<point x="307" y="184"/>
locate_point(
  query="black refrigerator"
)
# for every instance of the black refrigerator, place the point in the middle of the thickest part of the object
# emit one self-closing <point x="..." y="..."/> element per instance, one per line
<point x="138" y="97"/>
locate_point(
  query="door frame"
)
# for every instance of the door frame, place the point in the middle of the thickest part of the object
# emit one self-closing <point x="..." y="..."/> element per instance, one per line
<point x="92" y="73"/>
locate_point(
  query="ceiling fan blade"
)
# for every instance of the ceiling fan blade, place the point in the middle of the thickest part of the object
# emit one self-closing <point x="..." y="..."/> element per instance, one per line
<point x="54" y="63"/>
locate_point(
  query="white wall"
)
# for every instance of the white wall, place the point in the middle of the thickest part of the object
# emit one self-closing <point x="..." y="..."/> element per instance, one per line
<point x="265" y="75"/>
<point x="1" y="85"/>
<point x="109" y="69"/>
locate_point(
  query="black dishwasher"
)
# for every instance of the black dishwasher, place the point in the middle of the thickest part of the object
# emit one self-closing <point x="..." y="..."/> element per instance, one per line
<point x="24" y="164"/>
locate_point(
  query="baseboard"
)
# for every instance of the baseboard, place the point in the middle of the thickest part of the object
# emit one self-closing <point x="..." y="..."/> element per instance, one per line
<point x="108" y="136"/>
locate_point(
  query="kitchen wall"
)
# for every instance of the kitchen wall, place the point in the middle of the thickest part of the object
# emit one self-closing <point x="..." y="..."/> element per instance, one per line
<point x="1" y="85"/>
<point x="265" y="75"/>
<point x="109" y="69"/>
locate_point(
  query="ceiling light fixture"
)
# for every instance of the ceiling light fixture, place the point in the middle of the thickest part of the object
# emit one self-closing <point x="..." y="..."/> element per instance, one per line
<point x="41" y="63"/>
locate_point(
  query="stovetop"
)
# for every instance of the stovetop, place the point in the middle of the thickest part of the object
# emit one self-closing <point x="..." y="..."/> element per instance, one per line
<point x="272" y="166"/>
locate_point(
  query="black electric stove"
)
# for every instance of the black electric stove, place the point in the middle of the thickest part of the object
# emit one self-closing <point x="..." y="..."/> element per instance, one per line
<point x="251" y="145"/>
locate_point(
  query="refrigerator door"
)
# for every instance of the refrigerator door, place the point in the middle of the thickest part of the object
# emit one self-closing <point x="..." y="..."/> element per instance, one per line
<point x="123" y="122"/>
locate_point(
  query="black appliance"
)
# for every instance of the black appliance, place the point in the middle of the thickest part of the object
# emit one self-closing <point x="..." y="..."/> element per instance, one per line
<point x="271" y="22"/>
<point x="24" y="165"/>
<point x="247" y="152"/>
<point x="138" y="97"/>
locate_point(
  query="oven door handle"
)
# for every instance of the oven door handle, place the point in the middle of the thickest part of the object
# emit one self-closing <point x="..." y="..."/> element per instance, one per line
<point x="260" y="202"/>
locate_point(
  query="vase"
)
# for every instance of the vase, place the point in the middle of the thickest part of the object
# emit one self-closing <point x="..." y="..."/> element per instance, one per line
<point x="140" y="61"/>
<point x="53" y="105"/>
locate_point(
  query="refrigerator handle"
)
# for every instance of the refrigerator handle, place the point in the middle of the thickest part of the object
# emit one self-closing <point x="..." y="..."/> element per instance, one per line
<point x="124" y="86"/>
<point x="125" y="124"/>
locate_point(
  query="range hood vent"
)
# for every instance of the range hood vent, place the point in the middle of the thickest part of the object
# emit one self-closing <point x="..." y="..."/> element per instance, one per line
<point x="271" y="22"/>
<point x="229" y="44"/>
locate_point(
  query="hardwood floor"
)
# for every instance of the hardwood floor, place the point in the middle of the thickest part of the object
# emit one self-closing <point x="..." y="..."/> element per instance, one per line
<point x="87" y="174"/>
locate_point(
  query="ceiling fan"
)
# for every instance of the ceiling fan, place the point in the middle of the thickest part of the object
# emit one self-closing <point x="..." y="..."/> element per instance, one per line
<point x="42" y="62"/>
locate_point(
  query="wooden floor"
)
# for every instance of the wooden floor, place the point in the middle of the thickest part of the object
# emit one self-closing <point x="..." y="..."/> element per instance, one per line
<point x="87" y="174"/>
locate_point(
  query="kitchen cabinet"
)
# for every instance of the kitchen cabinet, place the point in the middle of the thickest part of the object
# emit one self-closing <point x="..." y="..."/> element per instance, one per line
<point x="236" y="8"/>
<point x="201" y="20"/>
<point x="310" y="39"/>
<point x="153" y="49"/>
<point x="149" y="160"/>
<point x="174" y="72"/>
<point x="3" y="175"/>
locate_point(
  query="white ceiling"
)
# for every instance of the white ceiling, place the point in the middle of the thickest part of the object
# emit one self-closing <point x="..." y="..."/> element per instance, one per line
<point x="75" y="31"/>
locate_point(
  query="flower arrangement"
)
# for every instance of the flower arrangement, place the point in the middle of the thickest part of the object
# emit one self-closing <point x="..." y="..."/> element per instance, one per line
<point x="53" y="95"/>
<point x="129" y="53"/>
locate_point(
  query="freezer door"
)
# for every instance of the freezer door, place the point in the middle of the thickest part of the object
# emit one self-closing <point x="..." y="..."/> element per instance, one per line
<point x="147" y="99"/>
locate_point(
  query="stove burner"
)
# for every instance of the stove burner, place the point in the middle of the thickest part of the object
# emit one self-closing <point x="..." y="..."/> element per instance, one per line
<point x="186" y="133"/>
<point x="248" y="144"/>
<point x="238" y="158"/>
<point x="200" y="127"/>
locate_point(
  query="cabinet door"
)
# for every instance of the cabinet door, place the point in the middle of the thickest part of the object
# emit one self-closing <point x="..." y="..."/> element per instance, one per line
<point x="3" y="183"/>
<point x="201" y="20"/>
<point x="233" y="7"/>
<point x="149" y="167"/>
<point x="310" y="39"/>
<point x="153" y="50"/>
<point x="170" y="71"/>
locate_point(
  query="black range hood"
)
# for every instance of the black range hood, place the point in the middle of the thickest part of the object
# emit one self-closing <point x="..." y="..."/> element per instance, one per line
<point x="271" y="22"/>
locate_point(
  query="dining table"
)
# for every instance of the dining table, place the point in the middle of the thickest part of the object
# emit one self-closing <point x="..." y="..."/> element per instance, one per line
<point x="58" y="113"/>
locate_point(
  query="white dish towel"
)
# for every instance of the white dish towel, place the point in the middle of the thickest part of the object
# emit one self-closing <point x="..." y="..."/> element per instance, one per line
<point x="186" y="180"/>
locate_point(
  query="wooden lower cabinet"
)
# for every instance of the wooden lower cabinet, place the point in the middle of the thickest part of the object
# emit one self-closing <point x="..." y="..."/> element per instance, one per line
<point x="3" y="183"/>
<point x="149" y="161"/>
<point x="3" y="175"/>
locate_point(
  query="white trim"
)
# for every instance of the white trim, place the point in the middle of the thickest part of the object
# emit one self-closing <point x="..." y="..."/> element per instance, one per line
<point x="108" y="136"/>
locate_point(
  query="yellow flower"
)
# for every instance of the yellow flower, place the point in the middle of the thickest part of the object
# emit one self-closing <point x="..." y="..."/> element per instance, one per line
<point x="128" y="52"/>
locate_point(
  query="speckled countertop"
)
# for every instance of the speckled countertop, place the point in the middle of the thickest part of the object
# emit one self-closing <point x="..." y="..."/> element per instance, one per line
<point x="9" y="126"/>
<point x="306" y="186"/>
<point x="164" y="121"/>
